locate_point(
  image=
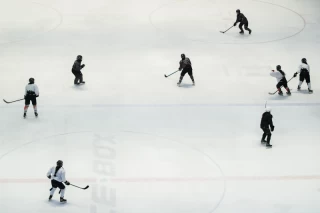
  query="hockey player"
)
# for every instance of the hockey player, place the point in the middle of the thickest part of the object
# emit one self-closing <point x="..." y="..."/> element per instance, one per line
<point x="304" y="71"/>
<point x="31" y="94"/>
<point x="76" y="70"/>
<point x="243" y="21"/>
<point x="185" y="66"/>
<point x="57" y="176"/>
<point x="282" y="81"/>
<point x="266" y="121"/>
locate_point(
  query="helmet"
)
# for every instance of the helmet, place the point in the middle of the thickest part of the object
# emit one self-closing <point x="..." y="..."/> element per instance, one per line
<point x="304" y="60"/>
<point x="268" y="109"/>
<point x="60" y="163"/>
<point x="79" y="57"/>
<point x="183" y="55"/>
<point x="31" y="80"/>
<point x="238" y="11"/>
<point x="278" y="67"/>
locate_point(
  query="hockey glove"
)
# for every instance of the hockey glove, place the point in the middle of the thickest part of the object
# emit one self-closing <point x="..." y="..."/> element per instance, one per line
<point x="49" y="176"/>
<point x="272" y="128"/>
<point x="295" y="75"/>
<point x="67" y="183"/>
<point x="235" y="24"/>
<point x="83" y="65"/>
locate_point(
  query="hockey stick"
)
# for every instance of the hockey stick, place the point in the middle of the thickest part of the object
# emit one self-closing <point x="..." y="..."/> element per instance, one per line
<point x="80" y="187"/>
<point x="9" y="102"/>
<point x="226" y="30"/>
<point x="170" y="74"/>
<point x="272" y="93"/>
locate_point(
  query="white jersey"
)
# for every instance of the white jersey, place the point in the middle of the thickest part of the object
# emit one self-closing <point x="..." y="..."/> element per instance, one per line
<point x="60" y="176"/>
<point x="277" y="75"/>
<point x="303" y="66"/>
<point x="32" y="88"/>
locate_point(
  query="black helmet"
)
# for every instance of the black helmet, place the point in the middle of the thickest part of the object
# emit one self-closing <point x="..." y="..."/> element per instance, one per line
<point x="183" y="55"/>
<point x="238" y="11"/>
<point x="31" y="80"/>
<point x="79" y="57"/>
<point x="278" y="67"/>
<point x="60" y="163"/>
<point x="304" y="60"/>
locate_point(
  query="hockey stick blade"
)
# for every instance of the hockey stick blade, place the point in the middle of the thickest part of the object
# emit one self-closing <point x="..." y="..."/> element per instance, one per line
<point x="5" y="101"/>
<point x="226" y="30"/>
<point x="80" y="187"/>
<point x="170" y="74"/>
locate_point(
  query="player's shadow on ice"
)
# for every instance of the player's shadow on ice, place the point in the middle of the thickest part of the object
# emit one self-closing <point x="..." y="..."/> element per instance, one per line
<point x="79" y="87"/>
<point x="186" y="85"/>
<point x="302" y="92"/>
<point x="279" y="97"/>
<point x="244" y="37"/>
<point x="57" y="203"/>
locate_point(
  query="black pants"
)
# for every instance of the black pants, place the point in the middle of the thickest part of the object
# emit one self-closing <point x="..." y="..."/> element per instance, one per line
<point x="78" y="77"/>
<point x="283" y="83"/>
<point x="246" y="24"/>
<point x="57" y="184"/>
<point x="30" y="98"/>
<point x="304" y="75"/>
<point x="266" y="133"/>
<point x="187" y="69"/>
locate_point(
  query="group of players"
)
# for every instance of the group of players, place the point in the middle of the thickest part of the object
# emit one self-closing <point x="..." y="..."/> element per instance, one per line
<point x="304" y="74"/>
<point x="32" y="90"/>
<point x="57" y="173"/>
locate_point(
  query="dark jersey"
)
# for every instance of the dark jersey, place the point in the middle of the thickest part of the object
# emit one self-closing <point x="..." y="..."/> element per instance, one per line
<point x="76" y="66"/>
<point x="241" y="18"/>
<point x="185" y="63"/>
<point x="266" y="120"/>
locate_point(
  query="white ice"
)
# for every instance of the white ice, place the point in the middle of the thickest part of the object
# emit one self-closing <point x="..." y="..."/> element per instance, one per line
<point x="143" y="144"/>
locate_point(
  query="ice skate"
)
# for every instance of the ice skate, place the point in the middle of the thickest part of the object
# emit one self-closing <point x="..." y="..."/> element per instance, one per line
<point x="250" y="31"/>
<point x="269" y="145"/>
<point x="178" y="84"/>
<point x="36" y="114"/>
<point x="82" y="82"/>
<point x="62" y="200"/>
<point x="241" y="32"/>
<point x="280" y="93"/>
<point x="299" y="88"/>
<point x="50" y="197"/>
<point x="193" y="83"/>
<point x="288" y="92"/>
<point x="24" y="115"/>
<point x="310" y="90"/>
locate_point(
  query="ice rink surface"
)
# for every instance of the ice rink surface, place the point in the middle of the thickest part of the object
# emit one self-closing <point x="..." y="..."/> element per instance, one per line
<point x="143" y="144"/>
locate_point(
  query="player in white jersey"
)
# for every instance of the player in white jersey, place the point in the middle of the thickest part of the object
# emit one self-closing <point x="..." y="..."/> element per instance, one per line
<point x="31" y="94"/>
<point x="282" y="81"/>
<point x="58" y="177"/>
<point x="304" y="70"/>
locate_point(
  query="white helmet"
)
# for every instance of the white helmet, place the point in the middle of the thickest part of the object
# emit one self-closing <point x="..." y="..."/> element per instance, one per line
<point x="268" y="109"/>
